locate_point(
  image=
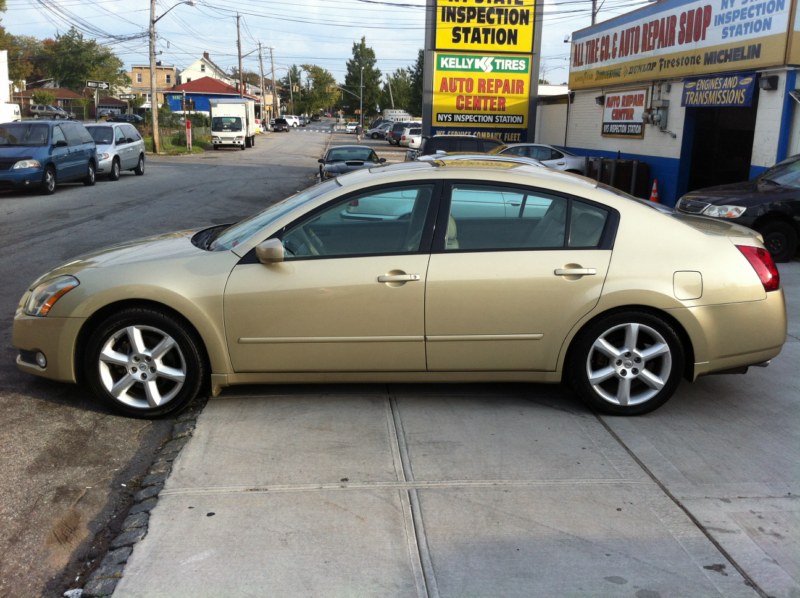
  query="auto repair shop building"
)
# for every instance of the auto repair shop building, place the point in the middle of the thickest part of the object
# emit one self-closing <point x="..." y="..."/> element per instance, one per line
<point x="702" y="91"/>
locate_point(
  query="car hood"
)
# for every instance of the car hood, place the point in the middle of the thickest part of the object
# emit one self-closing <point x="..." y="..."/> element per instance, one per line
<point x="748" y="192"/>
<point x="105" y="147"/>
<point x="176" y="245"/>
<point x="19" y="152"/>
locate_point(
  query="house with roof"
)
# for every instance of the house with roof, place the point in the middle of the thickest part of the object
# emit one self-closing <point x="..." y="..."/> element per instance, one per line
<point x="204" y="67"/>
<point x="194" y="96"/>
<point x="166" y="77"/>
<point x="64" y="98"/>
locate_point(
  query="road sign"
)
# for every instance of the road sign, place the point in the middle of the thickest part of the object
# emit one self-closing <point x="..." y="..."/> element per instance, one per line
<point x="127" y="96"/>
<point x="98" y="84"/>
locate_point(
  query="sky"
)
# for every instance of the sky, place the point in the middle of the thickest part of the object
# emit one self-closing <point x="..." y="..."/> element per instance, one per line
<point x="320" y="32"/>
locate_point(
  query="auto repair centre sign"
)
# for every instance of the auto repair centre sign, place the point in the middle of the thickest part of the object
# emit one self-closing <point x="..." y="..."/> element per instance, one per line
<point x="483" y="65"/>
<point x="681" y="38"/>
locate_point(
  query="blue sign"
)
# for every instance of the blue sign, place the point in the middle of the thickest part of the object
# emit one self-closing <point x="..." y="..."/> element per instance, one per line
<point x="725" y="90"/>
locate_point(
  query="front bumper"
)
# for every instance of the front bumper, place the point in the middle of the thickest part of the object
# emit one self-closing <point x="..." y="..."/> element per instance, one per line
<point x="21" y="178"/>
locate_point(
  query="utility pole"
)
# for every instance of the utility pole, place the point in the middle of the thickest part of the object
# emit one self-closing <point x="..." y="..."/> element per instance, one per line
<point x="239" y="48"/>
<point x="389" y="82"/>
<point x="274" y="86"/>
<point x="261" y="78"/>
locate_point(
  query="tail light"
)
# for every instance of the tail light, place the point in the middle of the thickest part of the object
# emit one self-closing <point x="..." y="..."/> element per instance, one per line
<point x="764" y="266"/>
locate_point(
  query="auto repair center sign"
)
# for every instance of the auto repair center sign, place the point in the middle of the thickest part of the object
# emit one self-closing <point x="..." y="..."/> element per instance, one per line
<point x="482" y="68"/>
<point x="622" y="113"/>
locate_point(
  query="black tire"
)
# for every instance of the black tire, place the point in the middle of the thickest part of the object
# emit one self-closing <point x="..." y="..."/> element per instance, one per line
<point x="91" y="175"/>
<point x="216" y="147"/>
<point x="139" y="170"/>
<point x="133" y="379"/>
<point x="253" y="141"/>
<point x="626" y="363"/>
<point x="780" y="239"/>
<point x="115" y="170"/>
<point x="49" y="181"/>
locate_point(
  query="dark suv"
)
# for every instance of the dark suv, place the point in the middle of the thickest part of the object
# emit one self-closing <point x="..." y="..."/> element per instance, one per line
<point x="447" y="144"/>
<point x="281" y="124"/>
<point x="393" y="134"/>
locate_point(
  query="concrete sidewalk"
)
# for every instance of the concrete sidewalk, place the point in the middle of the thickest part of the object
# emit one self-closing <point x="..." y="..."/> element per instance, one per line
<point x="495" y="490"/>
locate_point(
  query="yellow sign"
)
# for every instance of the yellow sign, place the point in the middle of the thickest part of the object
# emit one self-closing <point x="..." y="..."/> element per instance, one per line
<point x="485" y="25"/>
<point x="679" y="38"/>
<point x="473" y="91"/>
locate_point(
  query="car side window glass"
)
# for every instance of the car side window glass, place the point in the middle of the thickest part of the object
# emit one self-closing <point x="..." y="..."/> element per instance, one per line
<point x="587" y="223"/>
<point x="390" y="220"/>
<point x="58" y="135"/>
<point x="486" y="217"/>
<point x="119" y="136"/>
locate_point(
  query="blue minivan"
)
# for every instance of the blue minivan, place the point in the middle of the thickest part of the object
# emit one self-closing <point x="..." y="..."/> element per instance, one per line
<point x="40" y="153"/>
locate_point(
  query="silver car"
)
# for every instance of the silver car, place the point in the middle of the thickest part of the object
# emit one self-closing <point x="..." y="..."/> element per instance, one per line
<point x="553" y="156"/>
<point x="119" y="147"/>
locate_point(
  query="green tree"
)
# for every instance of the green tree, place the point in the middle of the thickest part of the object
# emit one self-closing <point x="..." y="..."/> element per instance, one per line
<point x="363" y="58"/>
<point x="320" y="91"/>
<point x="417" y="77"/>
<point x="72" y="61"/>
<point x="290" y="89"/>
<point x="397" y="90"/>
<point x="42" y="96"/>
<point x="25" y="57"/>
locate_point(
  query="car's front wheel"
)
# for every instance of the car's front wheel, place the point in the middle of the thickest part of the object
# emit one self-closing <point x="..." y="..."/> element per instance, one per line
<point x="115" y="170"/>
<point x="49" y="181"/>
<point x="780" y="239"/>
<point x="626" y="363"/>
<point x="144" y="363"/>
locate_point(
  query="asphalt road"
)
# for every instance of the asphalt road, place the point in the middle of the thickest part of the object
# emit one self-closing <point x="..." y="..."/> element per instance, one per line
<point x="68" y="464"/>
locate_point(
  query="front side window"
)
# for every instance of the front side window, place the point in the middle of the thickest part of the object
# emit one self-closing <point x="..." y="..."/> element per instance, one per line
<point x="119" y="135"/>
<point x="389" y="220"/>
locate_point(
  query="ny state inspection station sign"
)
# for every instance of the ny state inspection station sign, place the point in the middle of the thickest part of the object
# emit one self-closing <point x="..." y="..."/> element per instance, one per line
<point x="482" y="67"/>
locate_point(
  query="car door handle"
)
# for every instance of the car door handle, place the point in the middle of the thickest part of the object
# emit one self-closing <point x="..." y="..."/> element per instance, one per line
<point x="575" y="272"/>
<point x="399" y="278"/>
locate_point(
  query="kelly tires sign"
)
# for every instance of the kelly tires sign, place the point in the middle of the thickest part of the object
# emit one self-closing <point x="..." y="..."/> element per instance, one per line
<point x="489" y="93"/>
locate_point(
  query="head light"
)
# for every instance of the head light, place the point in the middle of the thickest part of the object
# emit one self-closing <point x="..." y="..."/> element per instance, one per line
<point x="27" y="164"/>
<point x="724" y="211"/>
<point x="44" y="296"/>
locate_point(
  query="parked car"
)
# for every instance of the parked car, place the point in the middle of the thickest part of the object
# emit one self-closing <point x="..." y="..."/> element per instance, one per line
<point x="294" y="121"/>
<point x="408" y="133"/>
<point x="345" y="158"/>
<point x="393" y="134"/>
<point x="415" y="138"/>
<point x="134" y="119"/>
<point x="280" y="124"/>
<point x="48" y="111"/>
<point x="41" y="153"/>
<point x="770" y="204"/>
<point x="439" y="145"/>
<point x="120" y="147"/>
<point x="296" y="292"/>
<point x="351" y="128"/>
<point x="553" y="156"/>
<point x="379" y="132"/>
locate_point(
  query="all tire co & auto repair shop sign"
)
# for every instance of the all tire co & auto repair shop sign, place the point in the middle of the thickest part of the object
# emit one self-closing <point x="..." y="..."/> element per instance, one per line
<point x="483" y="65"/>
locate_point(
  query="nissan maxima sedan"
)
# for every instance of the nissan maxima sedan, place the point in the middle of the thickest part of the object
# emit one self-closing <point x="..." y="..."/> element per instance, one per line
<point x="578" y="283"/>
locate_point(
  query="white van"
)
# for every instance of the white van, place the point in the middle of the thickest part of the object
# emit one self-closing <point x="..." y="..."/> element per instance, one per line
<point x="293" y="120"/>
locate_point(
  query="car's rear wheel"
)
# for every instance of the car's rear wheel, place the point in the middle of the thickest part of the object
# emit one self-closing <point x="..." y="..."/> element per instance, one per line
<point x="49" y="181"/>
<point x="626" y="363"/>
<point x="144" y="363"/>
<point x="139" y="170"/>
<point x="115" y="170"/>
<point x="91" y="175"/>
<point x="780" y="239"/>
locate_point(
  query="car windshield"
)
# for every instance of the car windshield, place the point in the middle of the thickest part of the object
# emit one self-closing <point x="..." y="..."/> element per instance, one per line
<point x="350" y="153"/>
<point x="786" y="173"/>
<point x="102" y="135"/>
<point x="237" y="233"/>
<point x="24" y="134"/>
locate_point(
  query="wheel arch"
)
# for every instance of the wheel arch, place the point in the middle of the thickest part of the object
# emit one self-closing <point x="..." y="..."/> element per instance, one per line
<point x="677" y="326"/>
<point x="93" y="322"/>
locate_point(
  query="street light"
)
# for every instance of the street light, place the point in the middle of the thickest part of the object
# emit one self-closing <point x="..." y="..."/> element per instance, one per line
<point x="153" y="88"/>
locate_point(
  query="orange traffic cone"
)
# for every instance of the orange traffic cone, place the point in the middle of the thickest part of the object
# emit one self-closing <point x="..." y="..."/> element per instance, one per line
<point x="654" y="192"/>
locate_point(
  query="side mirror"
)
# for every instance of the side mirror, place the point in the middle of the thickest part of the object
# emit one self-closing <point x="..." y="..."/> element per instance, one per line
<point x="270" y="251"/>
<point x="60" y="143"/>
<point x="321" y="161"/>
<point x="381" y="160"/>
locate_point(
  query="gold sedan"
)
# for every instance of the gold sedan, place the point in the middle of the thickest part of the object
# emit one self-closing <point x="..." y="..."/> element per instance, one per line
<point x="449" y="272"/>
